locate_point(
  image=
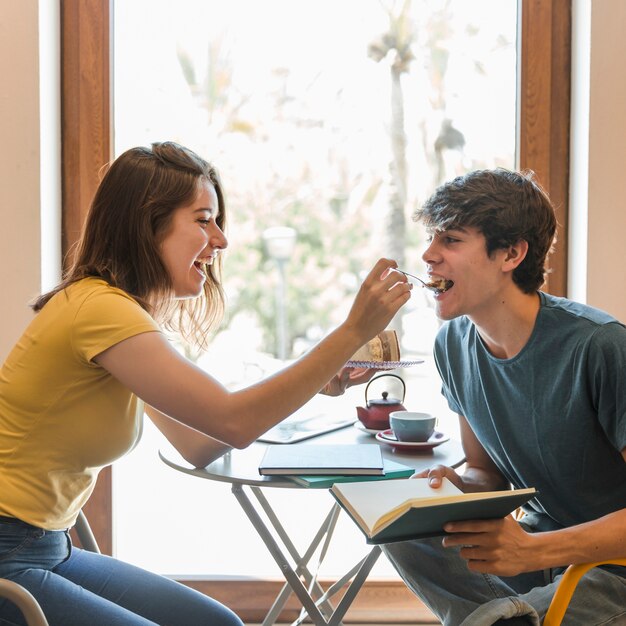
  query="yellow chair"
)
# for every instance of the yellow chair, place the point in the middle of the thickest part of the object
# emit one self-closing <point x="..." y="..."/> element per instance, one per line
<point x="566" y="588"/>
<point x="24" y="600"/>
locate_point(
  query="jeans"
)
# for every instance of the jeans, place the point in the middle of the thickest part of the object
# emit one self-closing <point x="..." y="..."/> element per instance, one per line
<point x="460" y="597"/>
<point x="79" y="588"/>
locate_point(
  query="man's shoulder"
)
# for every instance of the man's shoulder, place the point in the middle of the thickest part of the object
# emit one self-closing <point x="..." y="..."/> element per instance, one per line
<point x="457" y="327"/>
<point x="454" y="332"/>
<point x="565" y="309"/>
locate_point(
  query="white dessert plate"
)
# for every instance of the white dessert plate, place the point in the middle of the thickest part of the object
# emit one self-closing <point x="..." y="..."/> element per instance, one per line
<point x="436" y="439"/>
<point x="383" y="365"/>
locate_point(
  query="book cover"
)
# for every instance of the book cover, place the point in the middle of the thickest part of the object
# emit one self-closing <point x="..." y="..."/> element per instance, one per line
<point x="393" y="510"/>
<point x="328" y="459"/>
<point x="393" y="470"/>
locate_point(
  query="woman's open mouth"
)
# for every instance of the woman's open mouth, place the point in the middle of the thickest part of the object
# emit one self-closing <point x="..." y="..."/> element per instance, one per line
<point x="201" y="266"/>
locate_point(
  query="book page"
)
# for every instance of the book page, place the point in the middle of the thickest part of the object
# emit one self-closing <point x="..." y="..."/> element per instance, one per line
<point x="369" y="502"/>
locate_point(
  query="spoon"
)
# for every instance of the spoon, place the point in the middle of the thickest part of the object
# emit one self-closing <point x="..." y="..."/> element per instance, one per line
<point x="439" y="286"/>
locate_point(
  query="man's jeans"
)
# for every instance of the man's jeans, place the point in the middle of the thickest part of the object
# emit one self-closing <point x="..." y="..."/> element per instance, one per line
<point x="80" y="588"/>
<point x="460" y="597"/>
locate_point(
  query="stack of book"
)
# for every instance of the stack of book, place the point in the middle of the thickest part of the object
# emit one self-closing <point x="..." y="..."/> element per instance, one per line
<point x="321" y="465"/>
<point x="311" y="459"/>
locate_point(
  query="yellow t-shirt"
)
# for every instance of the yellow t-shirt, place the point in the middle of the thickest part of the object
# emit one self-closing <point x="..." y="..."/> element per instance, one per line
<point x="63" y="417"/>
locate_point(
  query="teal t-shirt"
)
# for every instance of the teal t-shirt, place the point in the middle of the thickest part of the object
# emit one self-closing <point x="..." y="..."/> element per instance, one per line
<point x="554" y="416"/>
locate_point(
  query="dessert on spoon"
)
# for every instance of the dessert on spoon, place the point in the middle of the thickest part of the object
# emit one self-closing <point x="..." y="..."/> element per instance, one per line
<point x="438" y="285"/>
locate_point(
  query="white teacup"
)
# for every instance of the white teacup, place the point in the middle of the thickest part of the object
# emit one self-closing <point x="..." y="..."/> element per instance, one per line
<point x="411" y="425"/>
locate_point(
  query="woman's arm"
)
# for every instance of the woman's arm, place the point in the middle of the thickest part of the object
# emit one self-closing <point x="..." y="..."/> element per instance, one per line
<point x="150" y="367"/>
<point x="195" y="447"/>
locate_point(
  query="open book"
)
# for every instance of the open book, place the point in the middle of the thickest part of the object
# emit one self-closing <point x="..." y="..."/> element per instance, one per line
<point x="398" y="510"/>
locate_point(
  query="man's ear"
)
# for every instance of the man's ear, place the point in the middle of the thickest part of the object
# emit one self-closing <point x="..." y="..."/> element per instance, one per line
<point x="514" y="255"/>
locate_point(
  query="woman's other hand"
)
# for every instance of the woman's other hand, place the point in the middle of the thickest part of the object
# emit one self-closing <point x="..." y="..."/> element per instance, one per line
<point x="347" y="377"/>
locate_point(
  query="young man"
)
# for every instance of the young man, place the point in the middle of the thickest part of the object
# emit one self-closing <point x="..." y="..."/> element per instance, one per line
<point x="539" y="385"/>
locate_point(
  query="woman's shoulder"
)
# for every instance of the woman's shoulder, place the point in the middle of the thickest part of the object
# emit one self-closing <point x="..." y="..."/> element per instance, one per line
<point x="93" y="286"/>
<point x="94" y="291"/>
<point x="94" y="298"/>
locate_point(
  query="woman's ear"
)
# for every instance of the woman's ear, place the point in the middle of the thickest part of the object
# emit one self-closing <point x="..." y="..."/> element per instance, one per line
<point x="515" y="254"/>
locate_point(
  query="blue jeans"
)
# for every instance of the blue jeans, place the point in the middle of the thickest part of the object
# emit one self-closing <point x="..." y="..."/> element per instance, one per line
<point x="460" y="597"/>
<point x="80" y="588"/>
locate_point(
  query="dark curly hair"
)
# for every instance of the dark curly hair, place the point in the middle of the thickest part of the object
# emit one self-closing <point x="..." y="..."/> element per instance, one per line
<point x="506" y="207"/>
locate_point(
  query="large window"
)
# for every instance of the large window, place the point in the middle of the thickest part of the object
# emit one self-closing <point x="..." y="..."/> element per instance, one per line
<point x="335" y="119"/>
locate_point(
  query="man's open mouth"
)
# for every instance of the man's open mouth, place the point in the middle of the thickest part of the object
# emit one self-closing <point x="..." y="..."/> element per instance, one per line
<point x="440" y="285"/>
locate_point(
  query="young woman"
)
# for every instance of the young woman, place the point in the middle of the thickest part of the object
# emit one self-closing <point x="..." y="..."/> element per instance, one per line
<point x="74" y="389"/>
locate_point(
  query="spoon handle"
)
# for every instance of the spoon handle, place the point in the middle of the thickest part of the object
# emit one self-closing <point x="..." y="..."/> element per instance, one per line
<point x="411" y="276"/>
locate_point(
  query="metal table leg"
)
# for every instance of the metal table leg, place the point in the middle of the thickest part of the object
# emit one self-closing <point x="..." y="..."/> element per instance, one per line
<point x="315" y="601"/>
<point x="325" y="530"/>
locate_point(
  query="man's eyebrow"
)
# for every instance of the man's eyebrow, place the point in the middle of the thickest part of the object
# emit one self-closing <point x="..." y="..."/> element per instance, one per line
<point x="442" y="231"/>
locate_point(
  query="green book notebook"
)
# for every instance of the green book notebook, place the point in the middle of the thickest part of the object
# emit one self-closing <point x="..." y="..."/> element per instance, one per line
<point x="392" y="470"/>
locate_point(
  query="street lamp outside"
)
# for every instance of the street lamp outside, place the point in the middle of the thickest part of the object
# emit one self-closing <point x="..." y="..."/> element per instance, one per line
<point x="280" y="242"/>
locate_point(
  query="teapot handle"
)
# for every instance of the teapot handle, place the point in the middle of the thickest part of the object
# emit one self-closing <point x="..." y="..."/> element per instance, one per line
<point x="382" y="376"/>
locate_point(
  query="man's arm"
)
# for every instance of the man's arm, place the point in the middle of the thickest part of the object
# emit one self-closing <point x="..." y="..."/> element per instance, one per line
<point x="481" y="473"/>
<point x="504" y="548"/>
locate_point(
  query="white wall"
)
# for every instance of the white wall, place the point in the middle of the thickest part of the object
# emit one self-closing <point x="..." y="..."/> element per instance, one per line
<point x="29" y="159"/>
<point x="598" y="176"/>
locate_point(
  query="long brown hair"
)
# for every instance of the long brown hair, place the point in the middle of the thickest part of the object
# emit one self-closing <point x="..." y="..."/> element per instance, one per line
<point x="128" y="218"/>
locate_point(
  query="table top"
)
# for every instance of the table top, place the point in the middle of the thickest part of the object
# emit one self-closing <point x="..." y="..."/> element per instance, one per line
<point x="242" y="466"/>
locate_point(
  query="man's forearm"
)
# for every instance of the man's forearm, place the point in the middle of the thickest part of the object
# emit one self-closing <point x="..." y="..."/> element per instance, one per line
<point x="598" y="540"/>
<point x="481" y="479"/>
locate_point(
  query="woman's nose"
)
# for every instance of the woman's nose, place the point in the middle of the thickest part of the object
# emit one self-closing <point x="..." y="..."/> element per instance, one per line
<point x="218" y="239"/>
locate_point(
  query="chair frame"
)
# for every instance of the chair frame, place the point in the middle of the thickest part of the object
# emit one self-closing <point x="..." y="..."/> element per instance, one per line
<point x="567" y="586"/>
<point x="24" y="600"/>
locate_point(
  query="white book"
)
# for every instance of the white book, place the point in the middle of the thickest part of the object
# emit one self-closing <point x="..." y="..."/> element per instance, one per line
<point x="317" y="459"/>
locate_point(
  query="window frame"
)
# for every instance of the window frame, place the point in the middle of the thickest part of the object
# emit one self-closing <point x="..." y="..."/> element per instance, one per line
<point x="544" y="57"/>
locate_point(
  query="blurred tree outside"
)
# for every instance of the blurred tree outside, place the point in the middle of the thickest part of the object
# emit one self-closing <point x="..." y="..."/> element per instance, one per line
<point x="286" y="100"/>
<point x="308" y="132"/>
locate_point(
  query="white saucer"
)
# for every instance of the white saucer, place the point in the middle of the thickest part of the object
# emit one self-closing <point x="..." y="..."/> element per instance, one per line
<point x="370" y="431"/>
<point x="436" y="439"/>
<point x="383" y="365"/>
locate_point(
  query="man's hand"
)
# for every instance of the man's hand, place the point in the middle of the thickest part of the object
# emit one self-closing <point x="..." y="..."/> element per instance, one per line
<point x="437" y="473"/>
<point x="347" y="377"/>
<point x="501" y="547"/>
